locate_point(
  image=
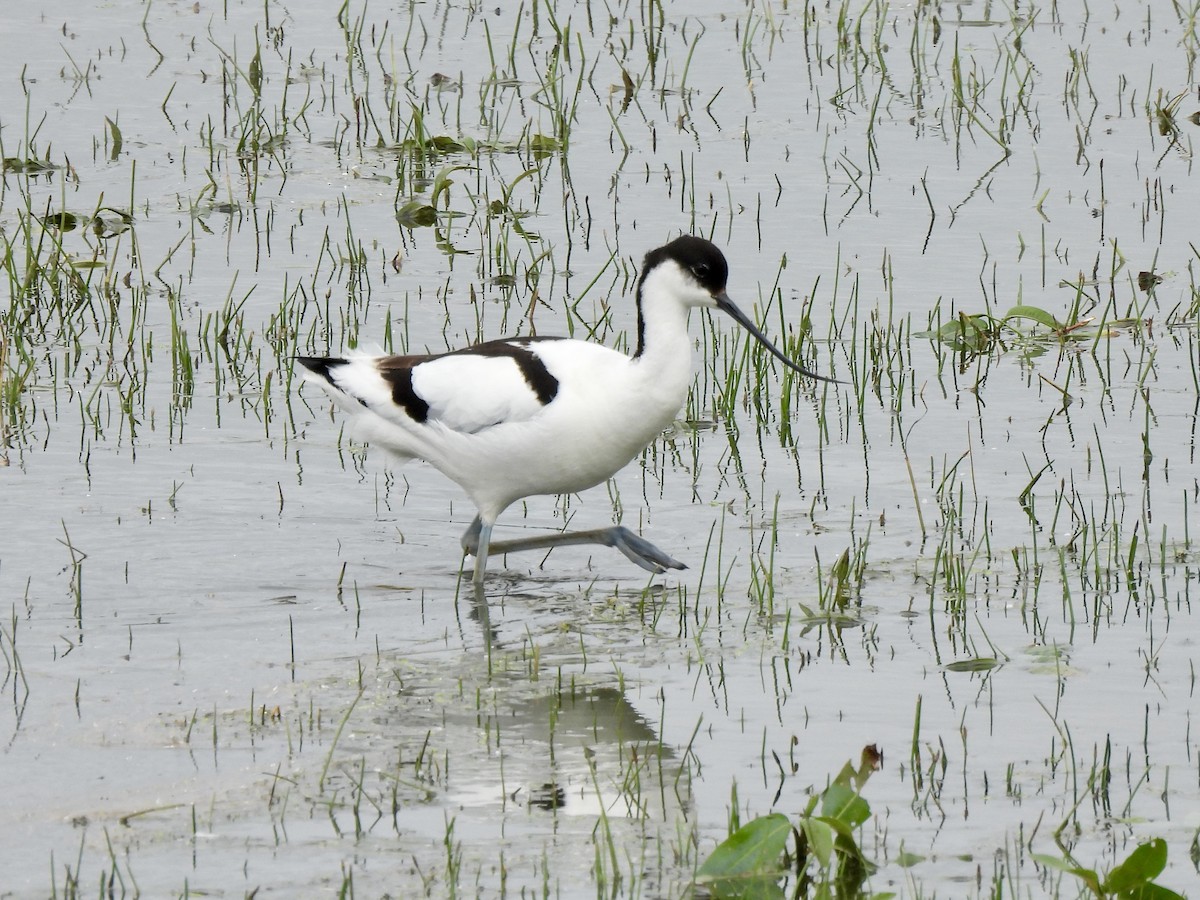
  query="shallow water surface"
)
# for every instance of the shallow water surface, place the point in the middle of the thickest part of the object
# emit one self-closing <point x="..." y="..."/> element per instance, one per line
<point x="238" y="657"/>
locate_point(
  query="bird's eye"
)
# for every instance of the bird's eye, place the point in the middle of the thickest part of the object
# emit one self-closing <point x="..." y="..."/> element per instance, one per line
<point x="700" y="270"/>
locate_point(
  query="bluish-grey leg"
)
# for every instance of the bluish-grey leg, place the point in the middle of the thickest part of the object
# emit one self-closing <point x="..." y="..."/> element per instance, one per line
<point x="475" y="540"/>
<point x="636" y="548"/>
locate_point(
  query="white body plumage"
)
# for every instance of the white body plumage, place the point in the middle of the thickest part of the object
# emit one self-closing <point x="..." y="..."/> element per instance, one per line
<point x="513" y="418"/>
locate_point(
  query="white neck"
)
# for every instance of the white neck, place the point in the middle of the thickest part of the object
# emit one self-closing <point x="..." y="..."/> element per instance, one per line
<point x="664" y="356"/>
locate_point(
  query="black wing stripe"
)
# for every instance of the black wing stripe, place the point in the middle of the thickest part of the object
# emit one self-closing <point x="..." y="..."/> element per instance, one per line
<point x="405" y="396"/>
<point x="533" y="370"/>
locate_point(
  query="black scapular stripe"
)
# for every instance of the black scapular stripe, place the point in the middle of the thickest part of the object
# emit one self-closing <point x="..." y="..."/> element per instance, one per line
<point x="533" y="370"/>
<point x="403" y="394"/>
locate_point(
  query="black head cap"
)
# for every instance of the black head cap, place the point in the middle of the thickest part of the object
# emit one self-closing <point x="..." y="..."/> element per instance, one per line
<point x="695" y="255"/>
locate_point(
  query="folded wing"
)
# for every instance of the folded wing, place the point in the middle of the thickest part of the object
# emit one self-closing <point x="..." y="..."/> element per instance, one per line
<point x="467" y="390"/>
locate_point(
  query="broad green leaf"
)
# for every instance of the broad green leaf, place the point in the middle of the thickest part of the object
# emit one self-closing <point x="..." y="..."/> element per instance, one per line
<point x="28" y="166"/>
<point x="110" y="222"/>
<point x="956" y="329"/>
<point x="1088" y="876"/>
<point x="117" y="140"/>
<point x="978" y="664"/>
<point x="841" y="830"/>
<point x="844" y="804"/>
<point x="1142" y="865"/>
<point x="541" y="145"/>
<point x="1053" y="862"/>
<point x="442" y="182"/>
<point x="63" y="221"/>
<point x="443" y="143"/>
<point x="415" y="214"/>
<point x="754" y="849"/>
<point x="820" y="839"/>
<point x="1150" y="891"/>
<point x="965" y="332"/>
<point x="1036" y="314"/>
<point x="844" y="777"/>
<point x="255" y="73"/>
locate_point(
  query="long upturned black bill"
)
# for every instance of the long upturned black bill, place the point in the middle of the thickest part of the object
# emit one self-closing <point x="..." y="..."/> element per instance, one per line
<point x="728" y="306"/>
